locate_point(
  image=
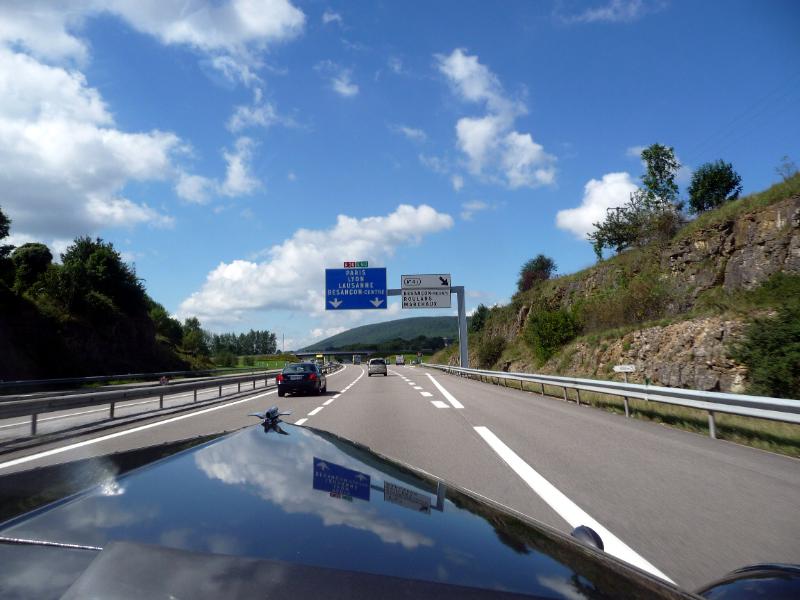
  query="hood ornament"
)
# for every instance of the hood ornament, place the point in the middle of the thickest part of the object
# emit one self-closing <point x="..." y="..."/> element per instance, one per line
<point x="271" y="419"/>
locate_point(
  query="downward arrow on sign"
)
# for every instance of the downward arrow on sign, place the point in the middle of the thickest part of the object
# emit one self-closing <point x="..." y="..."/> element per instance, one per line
<point x="376" y="302"/>
<point x="444" y="280"/>
<point x="336" y="303"/>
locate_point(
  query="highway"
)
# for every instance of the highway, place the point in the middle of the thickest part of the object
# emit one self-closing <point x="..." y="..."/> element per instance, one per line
<point x="680" y="505"/>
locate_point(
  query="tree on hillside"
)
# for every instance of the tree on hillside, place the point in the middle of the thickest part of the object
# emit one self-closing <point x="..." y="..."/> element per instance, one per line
<point x="94" y="267"/>
<point x="6" y="266"/>
<point x="30" y="262"/>
<point x="787" y="169"/>
<point x="713" y="184"/>
<point x="535" y="270"/>
<point x="165" y="325"/>
<point x="194" y="338"/>
<point x="653" y="211"/>
<point x="478" y="319"/>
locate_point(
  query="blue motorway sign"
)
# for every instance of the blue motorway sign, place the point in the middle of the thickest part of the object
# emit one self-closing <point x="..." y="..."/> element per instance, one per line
<point x="348" y="289"/>
<point x="339" y="480"/>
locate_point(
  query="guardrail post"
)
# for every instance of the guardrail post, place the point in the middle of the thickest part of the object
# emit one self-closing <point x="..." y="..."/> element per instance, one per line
<point x="627" y="409"/>
<point x="161" y="401"/>
<point x="254" y="384"/>
<point x="542" y="388"/>
<point x="220" y="391"/>
<point x="712" y="424"/>
<point x="566" y="398"/>
<point x="33" y="423"/>
<point x="194" y="399"/>
<point x="578" y="396"/>
<point x="239" y="386"/>
<point x="111" y="412"/>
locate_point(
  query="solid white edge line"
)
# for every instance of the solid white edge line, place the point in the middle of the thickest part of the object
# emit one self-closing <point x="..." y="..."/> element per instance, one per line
<point x="445" y="393"/>
<point x="110" y="436"/>
<point x="328" y="402"/>
<point x="315" y="411"/>
<point x="336" y="396"/>
<point x="440" y="404"/>
<point x="300" y="421"/>
<point x="426" y="394"/>
<point x="566" y="508"/>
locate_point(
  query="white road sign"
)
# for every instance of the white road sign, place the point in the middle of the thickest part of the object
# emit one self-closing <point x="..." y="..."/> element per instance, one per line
<point x="437" y="280"/>
<point x="426" y="298"/>
<point x="397" y="494"/>
<point x="625" y="369"/>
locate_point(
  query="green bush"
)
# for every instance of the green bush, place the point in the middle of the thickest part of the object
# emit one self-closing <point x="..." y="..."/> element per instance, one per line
<point x="547" y="330"/>
<point x="225" y="358"/>
<point x="489" y="350"/>
<point x="771" y="352"/>
<point x="248" y="361"/>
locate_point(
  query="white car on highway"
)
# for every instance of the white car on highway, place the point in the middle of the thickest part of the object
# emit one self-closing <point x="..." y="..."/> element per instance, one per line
<point x="377" y="366"/>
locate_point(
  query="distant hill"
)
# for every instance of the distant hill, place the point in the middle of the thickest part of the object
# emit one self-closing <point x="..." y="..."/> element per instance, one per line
<point x="376" y="333"/>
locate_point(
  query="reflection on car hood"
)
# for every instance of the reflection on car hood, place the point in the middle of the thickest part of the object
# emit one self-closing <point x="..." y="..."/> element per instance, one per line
<point x="311" y="498"/>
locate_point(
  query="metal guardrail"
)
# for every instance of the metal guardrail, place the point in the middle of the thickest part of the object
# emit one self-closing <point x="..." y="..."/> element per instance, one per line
<point x="33" y="408"/>
<point x="759" y="407"/>
<point x="37" y="406"/>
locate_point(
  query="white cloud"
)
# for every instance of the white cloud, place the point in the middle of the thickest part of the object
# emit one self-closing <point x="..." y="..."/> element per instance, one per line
<point x="434" y="163"/>
<point x="195" y="188"/>
<point x="468" y="209"/>
<point x="46" y="29"/>
<point x="258" y="114"/>
<point x="613" y="190"/>
<point x="339" y="78"/>
<point x="635" y="152"/>
<point x="284" y="281"/>
<point x="331" y="17"/>
<point x="319" y="332"/>
<point x="65" y="164"/>
<point x="458" y="182"/>
<point x="614" y="11"/>
<point x="411" y="133"/>
<point x="238" y="180"/>
<point x="490" y="143"/>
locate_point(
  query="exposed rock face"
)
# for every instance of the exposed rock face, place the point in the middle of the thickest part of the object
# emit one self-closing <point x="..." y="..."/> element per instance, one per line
<point x="737" y="254"/>
<point x="689" y="354"/>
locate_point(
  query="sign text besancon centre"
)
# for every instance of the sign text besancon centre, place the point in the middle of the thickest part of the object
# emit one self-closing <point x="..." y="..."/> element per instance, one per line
<point x="355" y="288"/>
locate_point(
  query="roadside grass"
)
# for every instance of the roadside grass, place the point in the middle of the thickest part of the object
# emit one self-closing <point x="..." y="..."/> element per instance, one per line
<point x="772" y="436"/>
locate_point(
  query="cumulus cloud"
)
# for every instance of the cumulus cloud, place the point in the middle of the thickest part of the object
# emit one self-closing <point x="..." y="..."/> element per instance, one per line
<point x="411" y="133"/>
<point x="195" y="188"/>
<point x="284" y="281"/>
<point x="65" y="164"/>
<point x="258" y="114"/>
<point x="492" y="147"/>
<point x="614" y="189"/>
<point x="340" y="79"/>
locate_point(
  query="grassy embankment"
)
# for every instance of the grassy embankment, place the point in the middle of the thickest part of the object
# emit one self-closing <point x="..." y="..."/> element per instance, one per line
<point x="628" y="295"/>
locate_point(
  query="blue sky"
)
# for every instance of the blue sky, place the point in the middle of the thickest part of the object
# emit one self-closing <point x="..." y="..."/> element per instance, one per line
<point x="232" y="150"/>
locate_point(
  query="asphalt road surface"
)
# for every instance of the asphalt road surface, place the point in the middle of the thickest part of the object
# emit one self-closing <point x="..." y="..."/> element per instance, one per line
<point x="678" y="504"/>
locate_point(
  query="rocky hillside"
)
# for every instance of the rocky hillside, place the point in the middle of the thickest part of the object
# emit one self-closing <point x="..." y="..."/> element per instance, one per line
<point x="675" y="311"/>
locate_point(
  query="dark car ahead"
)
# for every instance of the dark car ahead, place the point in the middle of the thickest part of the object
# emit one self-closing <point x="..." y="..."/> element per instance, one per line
<point x="302" y="378"/>
<point x="281" y="511"/>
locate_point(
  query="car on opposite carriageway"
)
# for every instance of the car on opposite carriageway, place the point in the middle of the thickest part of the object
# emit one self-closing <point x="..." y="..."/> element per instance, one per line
<point x="377" y="366"/>
<point x="302" y="378"/>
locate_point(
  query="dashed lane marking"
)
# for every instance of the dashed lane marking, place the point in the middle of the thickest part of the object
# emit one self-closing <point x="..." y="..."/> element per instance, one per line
<point x="315" y="411"/>
<point x="439" y="404"/>
<point x="448" y="396"/>
<point x="426" y="394"/>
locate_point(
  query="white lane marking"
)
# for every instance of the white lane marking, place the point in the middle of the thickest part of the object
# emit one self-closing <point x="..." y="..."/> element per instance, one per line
<point x="566" y="508"/>
<point x="416" y="387"/>
<point x="448" y="396"/>
<point x="410" y="382"/>
<point x="110" y="436"/>
<point x="328" y="402"/>
<point x="315" y="411"/>
<point x="336" y="396"/>
<point x="300" y="421"/>
<point x="440" y="404"/>
<point x="426" y="394"/>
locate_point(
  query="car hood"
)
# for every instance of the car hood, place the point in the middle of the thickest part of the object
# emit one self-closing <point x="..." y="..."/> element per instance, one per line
<point x="309" y="498"/>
